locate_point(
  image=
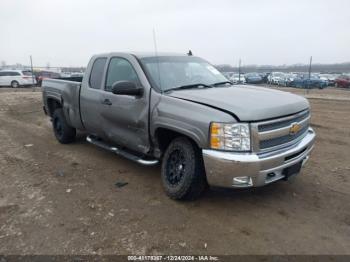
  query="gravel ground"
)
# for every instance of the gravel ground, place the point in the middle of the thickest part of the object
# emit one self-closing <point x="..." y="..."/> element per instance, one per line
<point x="62" y="199"/>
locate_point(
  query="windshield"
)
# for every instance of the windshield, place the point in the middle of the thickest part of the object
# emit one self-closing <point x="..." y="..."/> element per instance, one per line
<point x="168" y="72"/>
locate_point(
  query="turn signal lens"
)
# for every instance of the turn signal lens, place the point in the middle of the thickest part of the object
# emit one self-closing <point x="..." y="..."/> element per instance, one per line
<point x="216" y="129"/>
<point x="215" y="142"/>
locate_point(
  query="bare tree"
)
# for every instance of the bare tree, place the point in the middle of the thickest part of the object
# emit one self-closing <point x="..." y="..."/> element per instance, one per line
<point x="3" y="63"/>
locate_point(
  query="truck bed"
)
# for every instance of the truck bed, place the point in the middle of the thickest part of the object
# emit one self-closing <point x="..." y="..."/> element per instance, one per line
<point x="73" y="79"/>
<point x="65" y="91"/>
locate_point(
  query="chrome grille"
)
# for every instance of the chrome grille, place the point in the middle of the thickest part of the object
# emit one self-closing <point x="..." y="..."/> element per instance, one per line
<point x="282" y="139"/>
<point x="279" y="124"/>
<point x="274" y="134"/>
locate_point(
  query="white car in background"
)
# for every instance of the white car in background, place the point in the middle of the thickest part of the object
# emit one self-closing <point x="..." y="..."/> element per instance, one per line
<point x="237" y="79"/>
<point x="16" y="78"/>
<point x="275" y="77"/>
<point x="287" y="79"/>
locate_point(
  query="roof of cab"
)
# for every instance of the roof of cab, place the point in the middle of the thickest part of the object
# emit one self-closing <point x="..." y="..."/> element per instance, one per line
<point x="143" y="54"/>
<point x="153" y="54"/>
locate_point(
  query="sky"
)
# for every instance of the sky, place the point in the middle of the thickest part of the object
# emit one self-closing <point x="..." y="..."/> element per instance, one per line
<point x="274" y="32"/>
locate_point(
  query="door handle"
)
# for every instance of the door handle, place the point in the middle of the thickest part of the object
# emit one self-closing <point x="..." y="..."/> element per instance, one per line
<point x="107" y="102"/>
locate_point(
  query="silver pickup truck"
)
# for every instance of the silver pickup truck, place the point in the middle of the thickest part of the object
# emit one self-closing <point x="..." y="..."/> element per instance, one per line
<point x="181" y="111"/>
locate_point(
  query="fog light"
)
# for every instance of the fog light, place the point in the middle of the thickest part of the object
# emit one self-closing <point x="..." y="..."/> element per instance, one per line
<point x="242" y="181"/>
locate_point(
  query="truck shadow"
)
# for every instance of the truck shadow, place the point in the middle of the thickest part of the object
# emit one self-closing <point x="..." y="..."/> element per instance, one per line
<point x="80" y="138"/>
<point x="150" y="177"/>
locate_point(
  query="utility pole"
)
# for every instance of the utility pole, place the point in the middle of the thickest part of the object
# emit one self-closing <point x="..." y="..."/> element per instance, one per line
<point x="239" y="71"/>
<point x="31" y="66"/>
<point x="308" y="84"/>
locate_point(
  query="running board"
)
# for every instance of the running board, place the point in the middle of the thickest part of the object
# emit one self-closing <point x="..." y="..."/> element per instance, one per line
<point x="121" y="152"/>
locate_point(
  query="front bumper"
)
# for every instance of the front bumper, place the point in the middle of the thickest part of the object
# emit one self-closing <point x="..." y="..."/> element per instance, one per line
<point x="223" y="169"/>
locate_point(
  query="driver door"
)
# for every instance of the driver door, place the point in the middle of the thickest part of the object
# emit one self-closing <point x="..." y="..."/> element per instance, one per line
<point x="124" y="117"/>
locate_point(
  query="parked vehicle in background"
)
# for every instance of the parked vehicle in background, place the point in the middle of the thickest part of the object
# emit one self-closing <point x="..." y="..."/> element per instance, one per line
<point x="41" y="75"/>
<point x="303" y="81"/>
<point x="275" y="77"/>
<point x="343" y="81"/>
<point x="320" y="82"/>
<point x="237" y="79"/>
<point x="253" y="78"/>
<point x="227" y="74"/>
<point x="265" y="77"/>
<point x="65" y="74"/>
<point x="76" y="74"/>
<point x="181" y="111"/>
<point x="16" y="78"/>
<point x="330" y="78"/>
<point x="286" y="79"/>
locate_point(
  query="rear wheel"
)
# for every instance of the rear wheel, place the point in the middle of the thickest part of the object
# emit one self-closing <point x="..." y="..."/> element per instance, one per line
<point x="183" y="174"/>
<point x="14" y="84"/>
<point x="64" y="133"/>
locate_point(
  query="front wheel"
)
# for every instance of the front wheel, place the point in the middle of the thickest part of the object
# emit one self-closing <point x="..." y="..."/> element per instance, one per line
<point x="64" y="133"/>
<point x="183" y="174"/>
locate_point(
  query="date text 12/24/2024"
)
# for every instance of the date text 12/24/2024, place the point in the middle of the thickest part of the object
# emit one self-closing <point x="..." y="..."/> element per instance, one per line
<point x="173" y="258"/>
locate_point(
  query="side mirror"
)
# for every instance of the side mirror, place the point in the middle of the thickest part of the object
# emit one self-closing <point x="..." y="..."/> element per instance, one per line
<point x="126" y="88"/>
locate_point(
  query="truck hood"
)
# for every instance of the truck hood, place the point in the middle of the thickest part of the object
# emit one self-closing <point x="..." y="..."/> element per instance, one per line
<point x="247" y="103"/>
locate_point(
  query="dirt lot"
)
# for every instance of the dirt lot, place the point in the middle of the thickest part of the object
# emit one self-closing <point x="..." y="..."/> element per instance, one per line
<point x="62" y="199"/>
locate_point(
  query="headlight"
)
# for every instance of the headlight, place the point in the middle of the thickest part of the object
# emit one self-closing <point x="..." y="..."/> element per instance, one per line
<point x="230" y="137"/>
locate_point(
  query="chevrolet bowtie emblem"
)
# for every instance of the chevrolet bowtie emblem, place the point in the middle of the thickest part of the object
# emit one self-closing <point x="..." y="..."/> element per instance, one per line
<point x="295" y="128"/>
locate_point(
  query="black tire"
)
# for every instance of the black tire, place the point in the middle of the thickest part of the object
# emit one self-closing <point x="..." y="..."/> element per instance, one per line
<point x="14" y="84"/>
<point x="183" y="173"/>
<point x="64" y="133"/>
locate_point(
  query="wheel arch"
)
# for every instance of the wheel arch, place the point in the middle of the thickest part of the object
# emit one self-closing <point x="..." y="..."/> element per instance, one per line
<point x="52" y="104"/>
<point x="163" y="136"/>
<point x="15" y="81"/>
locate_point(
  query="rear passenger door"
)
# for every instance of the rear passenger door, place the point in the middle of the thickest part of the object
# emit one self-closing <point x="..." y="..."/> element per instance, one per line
<point x="15" y="76"/>
<point x="90" y="97"/>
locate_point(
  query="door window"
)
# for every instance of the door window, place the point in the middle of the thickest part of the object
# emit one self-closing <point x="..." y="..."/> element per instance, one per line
<point x="120" y="69"/>
<point x="4" y="73"/>
<point x="97" y="73"/>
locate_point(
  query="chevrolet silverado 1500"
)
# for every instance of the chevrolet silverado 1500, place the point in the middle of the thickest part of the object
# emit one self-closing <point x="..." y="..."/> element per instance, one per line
<point x="181" y="111"/>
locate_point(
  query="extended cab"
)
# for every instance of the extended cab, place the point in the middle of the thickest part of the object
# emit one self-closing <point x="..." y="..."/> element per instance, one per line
<point x="181" y="111"/>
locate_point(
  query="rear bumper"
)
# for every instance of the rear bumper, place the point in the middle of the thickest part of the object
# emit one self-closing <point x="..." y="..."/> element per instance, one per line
<point x="226" y="169"/>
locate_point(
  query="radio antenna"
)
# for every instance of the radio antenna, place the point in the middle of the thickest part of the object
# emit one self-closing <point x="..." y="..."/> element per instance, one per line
<point x="157" y="57"/>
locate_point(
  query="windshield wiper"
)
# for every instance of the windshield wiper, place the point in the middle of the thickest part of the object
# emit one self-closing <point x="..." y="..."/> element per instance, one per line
<point x="222" y="83"/>
<point x="189" y="87"/>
